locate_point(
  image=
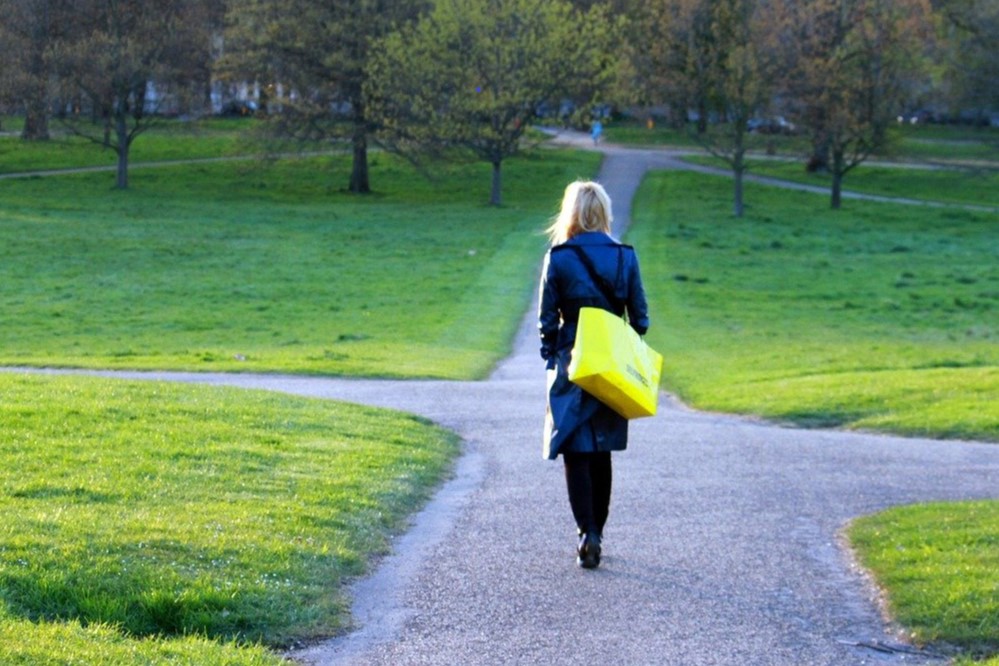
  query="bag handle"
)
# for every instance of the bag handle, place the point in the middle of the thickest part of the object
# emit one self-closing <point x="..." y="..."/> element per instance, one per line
<point x="603" y="284"/>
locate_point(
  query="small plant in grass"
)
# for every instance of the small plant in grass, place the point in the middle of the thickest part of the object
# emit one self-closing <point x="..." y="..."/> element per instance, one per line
<point x="937" y="564"/>
<point x="161" y="511"/>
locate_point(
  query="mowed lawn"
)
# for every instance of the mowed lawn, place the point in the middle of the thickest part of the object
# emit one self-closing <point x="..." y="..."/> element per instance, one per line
<point x="272" y="267"/>
<point x="878" y="316"/>
<point x="160" y="523"/>
<point x="164" y="524"/>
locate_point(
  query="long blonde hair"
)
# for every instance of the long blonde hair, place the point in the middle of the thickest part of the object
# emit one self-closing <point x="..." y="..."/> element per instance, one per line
<point x="585" y="207"/>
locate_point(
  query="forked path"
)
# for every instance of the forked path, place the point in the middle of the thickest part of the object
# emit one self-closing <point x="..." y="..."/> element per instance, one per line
<point x="721" y="548"/>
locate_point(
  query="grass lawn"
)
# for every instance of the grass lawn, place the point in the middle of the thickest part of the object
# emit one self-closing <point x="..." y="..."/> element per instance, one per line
<point x="271" y="267"/>
<point x="879" y="317"/>
<point x="148" y="523"/>
<point x="938" y="563"/>
<point x="157" y="523"/>
<point x="975" y="187"/>
<point x="923" y="143"/>
<point x="169" y="140"/>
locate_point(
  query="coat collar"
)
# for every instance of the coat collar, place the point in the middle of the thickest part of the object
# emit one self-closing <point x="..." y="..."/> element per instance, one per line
<point x="592" y="238"/>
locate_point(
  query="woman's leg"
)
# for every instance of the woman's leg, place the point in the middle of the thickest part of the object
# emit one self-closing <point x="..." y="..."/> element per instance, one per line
<point x="579" y="483"/>
<point x="600" y="478"/>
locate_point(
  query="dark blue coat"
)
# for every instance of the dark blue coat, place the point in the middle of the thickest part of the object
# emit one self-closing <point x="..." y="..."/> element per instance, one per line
<point x="576" y="421"/>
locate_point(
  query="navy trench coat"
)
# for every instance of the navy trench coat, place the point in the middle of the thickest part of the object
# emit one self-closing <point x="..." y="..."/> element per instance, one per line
<point x="576" y="421"/>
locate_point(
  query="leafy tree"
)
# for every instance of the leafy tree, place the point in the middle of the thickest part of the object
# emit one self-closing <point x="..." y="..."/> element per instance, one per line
<point x="313" y="57"/>
<point x="856" y="63"/>
<point x="110" y="54"/>
<point x="474" y="74"/>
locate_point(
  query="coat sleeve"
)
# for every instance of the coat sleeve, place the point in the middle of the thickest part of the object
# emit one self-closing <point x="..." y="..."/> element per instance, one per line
<point x="638" y="308"/>
<point x="548" y="312"/>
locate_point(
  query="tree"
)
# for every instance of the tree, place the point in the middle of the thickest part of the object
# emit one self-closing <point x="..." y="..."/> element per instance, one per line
<point x="475" y="73"/>
<point x="856" y="64"/>
<point x="313" y="56"/>
<point x="717" y="57"/>
<point x="28" y="31"/>
<point x="114" y="52"/>
<point x="969" y="48"/>
<point x="673" y="56"/>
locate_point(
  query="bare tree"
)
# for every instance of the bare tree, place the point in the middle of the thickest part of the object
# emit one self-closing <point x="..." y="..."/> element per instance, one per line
<point x="718" y="57"/>
<point x="855" y="65"/>
<point x="115" y="52"/>
<point x="673" y="57"/>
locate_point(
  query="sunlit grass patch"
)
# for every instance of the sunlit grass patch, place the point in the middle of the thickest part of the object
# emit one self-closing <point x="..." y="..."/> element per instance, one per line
<point x="880" y="316"/>
<point x="163" y="510"/>
<point x="272" y="267"/>
<point x="938" y="564"/>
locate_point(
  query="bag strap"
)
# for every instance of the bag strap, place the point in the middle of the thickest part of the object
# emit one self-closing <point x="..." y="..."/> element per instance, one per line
<point x="603" y="284"/>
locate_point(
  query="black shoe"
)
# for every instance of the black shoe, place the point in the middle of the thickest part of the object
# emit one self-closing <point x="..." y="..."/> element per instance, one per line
<point x="588" y="553"/>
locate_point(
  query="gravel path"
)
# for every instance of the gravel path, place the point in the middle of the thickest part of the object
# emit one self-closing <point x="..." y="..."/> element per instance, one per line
<point x="722" y="546"/>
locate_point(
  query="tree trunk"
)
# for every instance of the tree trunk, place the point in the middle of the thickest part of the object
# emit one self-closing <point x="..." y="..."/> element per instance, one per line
<point x="737" y="206"/>
<point x="359" y="183"/>
<point x="819" y="161"/>
<point x="495" y="198"/>
<point x="739" y="167"/>
<point x="121" y="129"/>
<point x="837" y="179"/>
<point x="36" y="122"/>
<point x="36" y="115"/>
<point x="36" y="106"/>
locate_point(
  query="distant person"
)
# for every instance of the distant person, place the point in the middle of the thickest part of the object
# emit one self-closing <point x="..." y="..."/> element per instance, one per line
<point x="596" y="130"/>
<point x="578" y="426"/>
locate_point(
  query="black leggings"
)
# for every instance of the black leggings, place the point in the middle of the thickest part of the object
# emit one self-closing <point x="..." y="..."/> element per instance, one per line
<point x="588" y="478"/>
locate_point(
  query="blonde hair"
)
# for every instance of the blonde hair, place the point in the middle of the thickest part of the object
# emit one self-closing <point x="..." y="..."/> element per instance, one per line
<point x="585" y="207"/>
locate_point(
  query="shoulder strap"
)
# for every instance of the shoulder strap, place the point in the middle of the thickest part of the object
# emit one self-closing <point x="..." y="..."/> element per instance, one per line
<point x="605" y="286"/>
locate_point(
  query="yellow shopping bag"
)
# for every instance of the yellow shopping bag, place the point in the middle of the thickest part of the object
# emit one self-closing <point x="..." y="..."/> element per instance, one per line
<point x="611" y="362"/>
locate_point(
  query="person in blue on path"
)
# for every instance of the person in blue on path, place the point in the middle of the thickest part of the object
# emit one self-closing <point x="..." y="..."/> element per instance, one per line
<point x="596" y="131"/>
<point x="577" y="425"/>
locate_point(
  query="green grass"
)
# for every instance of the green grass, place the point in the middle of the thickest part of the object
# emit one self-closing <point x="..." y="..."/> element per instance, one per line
<point x="271" y="267"/>
<point x="139" y="512"/>
<point x="943" y="142"/>
<point x="931" y="143"/>
<point x="879" y="317"/>
<point x="938" y="563"/>
<point x="169" y="140"/>
<point x="638" y="134"/>
<point x="974" y="187"/>
<point x="29" y="643"/>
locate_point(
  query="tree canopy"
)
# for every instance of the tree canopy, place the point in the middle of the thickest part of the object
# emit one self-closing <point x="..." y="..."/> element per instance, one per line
<point x="474" y="74"/>
<point x="313" y="57"/>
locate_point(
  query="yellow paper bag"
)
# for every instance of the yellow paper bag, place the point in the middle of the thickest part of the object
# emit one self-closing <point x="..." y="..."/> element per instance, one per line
<point x="611" y="362"/>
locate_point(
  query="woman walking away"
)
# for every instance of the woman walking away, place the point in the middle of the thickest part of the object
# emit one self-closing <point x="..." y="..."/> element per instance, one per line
<point x="579" y="267"/>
